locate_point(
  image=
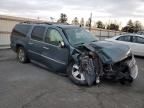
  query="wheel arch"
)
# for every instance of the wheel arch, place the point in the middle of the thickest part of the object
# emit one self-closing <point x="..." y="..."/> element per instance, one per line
<point x="18" y="46"/>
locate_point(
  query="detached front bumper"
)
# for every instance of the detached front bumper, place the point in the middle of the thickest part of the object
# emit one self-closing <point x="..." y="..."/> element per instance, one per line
<point x="133" y="68"/>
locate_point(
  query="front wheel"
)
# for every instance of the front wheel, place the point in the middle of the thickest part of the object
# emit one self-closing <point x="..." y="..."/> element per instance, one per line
<point x="21" y="55"/>
<point x="75" y="74"/>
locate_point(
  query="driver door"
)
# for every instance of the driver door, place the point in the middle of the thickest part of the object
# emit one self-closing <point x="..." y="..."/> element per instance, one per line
<point x="54" y="55"/>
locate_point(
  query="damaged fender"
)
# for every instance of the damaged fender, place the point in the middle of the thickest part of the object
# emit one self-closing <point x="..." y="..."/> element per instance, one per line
<point x="90" y="65"/>
<point x="96" y="62"/>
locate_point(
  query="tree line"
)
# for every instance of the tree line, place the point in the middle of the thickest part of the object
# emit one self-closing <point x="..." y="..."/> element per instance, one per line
<point x="131" y="27"/>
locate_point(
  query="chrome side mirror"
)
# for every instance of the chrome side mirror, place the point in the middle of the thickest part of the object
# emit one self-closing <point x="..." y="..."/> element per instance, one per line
<point x="62" y="45"/>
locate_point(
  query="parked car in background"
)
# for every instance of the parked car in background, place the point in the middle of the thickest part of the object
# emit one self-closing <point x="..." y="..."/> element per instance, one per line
<point x="72" y="49"/>
<point x="134" y="41"/>
<point x="140" y="32"/>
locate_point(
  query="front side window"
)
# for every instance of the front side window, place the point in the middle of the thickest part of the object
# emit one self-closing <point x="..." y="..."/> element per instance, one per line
<point x="53" y="37"/>
<point x="38" y="33"/>
<point x="125" y="38"/>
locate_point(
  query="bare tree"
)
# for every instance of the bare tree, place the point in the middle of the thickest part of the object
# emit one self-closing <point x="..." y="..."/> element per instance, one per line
<point x="132" y="27"/>
<point x="137" y="26"/>
<point x="113" y="26"/>
<point x="88" y="23"/>
<point x="130" y="23"/>
<point x="99" y="24"/>
<point x="63" y="18"/>
<point x="82" y="22"/>
<point x="75" y="21"/>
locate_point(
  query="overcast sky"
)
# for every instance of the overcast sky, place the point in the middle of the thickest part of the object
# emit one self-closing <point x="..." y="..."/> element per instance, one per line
<point x="120" y="10"/>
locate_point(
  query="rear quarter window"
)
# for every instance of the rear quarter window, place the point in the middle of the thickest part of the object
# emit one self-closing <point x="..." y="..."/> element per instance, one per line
<point x="21" y="30"/>
<point x="137" y="39"/>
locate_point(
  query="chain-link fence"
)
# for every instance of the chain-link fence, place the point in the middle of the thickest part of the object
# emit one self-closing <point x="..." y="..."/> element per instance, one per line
<point x="102" y="34"/>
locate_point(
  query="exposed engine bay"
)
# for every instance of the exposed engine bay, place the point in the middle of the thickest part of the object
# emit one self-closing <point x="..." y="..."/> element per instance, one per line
<point x="94" y="67"/>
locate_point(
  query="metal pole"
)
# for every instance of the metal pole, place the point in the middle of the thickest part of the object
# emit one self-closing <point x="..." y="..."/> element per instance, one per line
<point x="90" y="22"/>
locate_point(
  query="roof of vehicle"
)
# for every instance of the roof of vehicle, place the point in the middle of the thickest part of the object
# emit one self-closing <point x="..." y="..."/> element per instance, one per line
<point x="60" y="25"/>
<point x="65" y="26"/>
<point x="130" y="34"/>
<point x="133" y="34"/>
<point x="141" y="31"/>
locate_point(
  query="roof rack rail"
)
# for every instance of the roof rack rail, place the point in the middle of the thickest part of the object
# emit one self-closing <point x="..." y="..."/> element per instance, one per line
<point x="40" y="22"/>
<point x="29" y="22"/>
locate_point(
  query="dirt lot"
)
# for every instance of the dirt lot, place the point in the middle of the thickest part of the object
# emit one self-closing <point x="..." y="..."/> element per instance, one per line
<point x="31" y="86"/>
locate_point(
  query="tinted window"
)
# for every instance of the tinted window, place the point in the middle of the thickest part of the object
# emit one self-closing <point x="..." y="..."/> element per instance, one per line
<point x="38" y="33"/>
<point x="125" y="38"/>
<point x="134" y="39"/>
<point x="53" y="37"/>
<point x="137" y="39"/>
<point x="21" y="30"/>
<point x="141" y="32"/>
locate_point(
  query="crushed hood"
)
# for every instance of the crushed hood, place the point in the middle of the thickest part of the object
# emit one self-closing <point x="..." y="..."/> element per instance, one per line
<point x="110" y="52"/>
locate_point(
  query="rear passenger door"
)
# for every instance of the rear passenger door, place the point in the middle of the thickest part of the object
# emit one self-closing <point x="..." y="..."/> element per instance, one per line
<point x="138" y="45"/>
<point x="35" y="44"/>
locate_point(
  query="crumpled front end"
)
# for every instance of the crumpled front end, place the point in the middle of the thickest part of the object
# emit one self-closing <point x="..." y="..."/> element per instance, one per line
<point x="98" y="62"/>
<point x="125" y="70"/>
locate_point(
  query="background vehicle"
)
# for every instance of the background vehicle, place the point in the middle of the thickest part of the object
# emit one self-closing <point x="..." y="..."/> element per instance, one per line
<point x="74" y="50"/>
<point x="134" y="41"/>
<point x="140" y="32"/>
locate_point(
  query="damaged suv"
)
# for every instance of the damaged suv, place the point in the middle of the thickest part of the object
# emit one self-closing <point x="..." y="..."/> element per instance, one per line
<point x="74" y="50"/>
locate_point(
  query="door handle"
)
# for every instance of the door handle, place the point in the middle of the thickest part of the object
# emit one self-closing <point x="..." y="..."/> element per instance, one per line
<point x="46" y="48"/>
<point x="30" y="43"/>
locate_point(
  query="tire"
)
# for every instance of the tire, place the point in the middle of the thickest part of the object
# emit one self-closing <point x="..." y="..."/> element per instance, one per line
<point x="72" y="77"/>
<point x="22" y="56"/>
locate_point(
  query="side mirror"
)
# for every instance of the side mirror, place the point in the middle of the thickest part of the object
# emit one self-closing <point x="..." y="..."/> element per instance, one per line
<point x="62" y="45"/>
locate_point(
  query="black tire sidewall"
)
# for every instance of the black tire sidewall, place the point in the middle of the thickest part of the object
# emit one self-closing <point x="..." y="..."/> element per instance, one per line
<point x="25" y="56"/>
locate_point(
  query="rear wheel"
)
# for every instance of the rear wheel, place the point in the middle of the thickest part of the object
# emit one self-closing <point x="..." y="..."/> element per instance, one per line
<point x="21" y="55"/>
<point x="76" y="75"/>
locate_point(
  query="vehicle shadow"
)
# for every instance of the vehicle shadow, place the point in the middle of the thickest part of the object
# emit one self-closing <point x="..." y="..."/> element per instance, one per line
<point x="107" y="82"/>
<point x="39" y="65"/>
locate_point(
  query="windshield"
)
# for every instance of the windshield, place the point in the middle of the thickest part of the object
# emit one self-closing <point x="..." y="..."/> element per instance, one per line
<point x="78" y="36"/>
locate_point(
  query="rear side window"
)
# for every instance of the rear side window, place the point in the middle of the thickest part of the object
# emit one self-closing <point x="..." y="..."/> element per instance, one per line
<point x="38" y="33"/>
<point x="137" y="39"/>
<point x="21" y="30"/>
<point x="125" y="38"/>
<point x="141" y="32"/>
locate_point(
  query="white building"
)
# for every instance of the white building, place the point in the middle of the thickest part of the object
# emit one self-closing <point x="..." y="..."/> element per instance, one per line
<point x="6" y="25"/>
